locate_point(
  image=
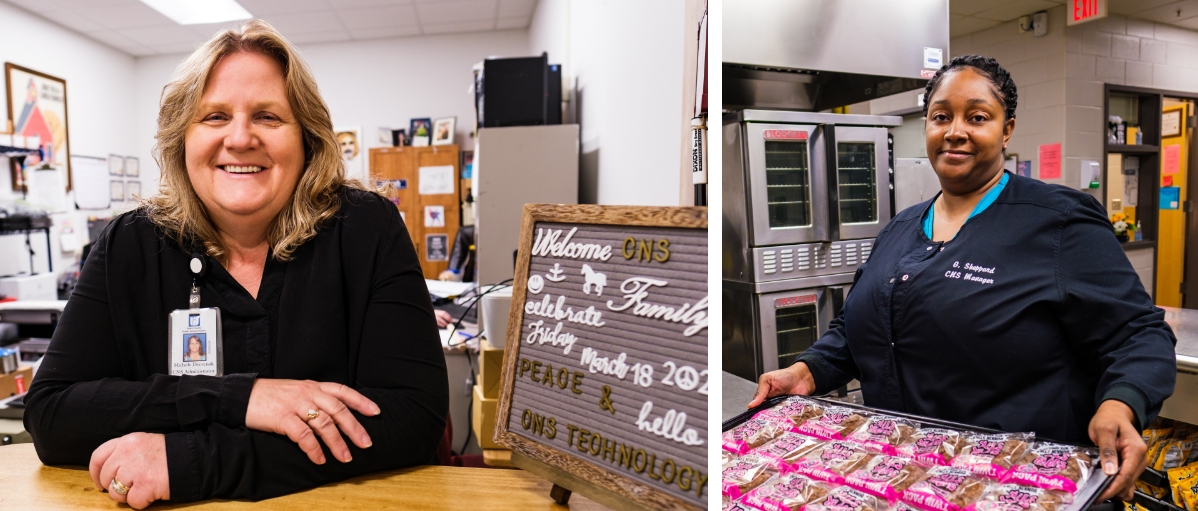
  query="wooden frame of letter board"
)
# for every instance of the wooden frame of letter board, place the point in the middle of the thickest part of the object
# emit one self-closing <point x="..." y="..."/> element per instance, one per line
<point x="594" y="481"/>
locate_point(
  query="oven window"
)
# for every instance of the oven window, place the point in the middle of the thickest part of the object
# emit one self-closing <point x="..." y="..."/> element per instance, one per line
<point x="797" y="331"/>
<point x="787" y="181"/>
<point x="858" y="188"/>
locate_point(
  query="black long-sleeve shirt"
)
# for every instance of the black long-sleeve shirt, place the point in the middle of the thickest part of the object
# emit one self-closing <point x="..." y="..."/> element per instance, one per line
<point x="1026" y="321"/>
<point x="350" y="307"/>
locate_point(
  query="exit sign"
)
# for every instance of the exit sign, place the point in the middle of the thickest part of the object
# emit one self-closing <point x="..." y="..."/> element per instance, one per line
<point x="1081" y="11"/>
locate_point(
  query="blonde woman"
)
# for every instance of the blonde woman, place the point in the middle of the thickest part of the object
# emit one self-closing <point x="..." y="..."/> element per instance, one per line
<point x="329" y="340"/>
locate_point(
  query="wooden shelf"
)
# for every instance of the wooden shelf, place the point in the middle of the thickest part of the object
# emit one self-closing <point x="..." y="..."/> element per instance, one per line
<point x="1132" y="149"/>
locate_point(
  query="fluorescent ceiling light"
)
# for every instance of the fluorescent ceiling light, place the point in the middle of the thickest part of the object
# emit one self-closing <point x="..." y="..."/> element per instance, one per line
<point x="194" y="12"/>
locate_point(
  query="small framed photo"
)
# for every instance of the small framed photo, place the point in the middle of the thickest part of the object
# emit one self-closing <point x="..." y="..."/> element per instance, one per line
<point x="443" y="130"/>
<point x="132" y="167"/>
<point x="116" y="191"/>
<point x="385" y="136"/>
<point x="436" y="247"/>
<point x="1171" y="123"/>
<point x="399" y="138"/>
<point x="420" y="130"/>
<point x="116" y="165"/>
<point x="132" y="190"/>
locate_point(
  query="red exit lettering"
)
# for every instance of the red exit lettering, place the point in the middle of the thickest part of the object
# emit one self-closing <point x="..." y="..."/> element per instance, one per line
<point x="1087" y="10"/>
<point x="792" y="301"/>
<point x="785" y="135"/>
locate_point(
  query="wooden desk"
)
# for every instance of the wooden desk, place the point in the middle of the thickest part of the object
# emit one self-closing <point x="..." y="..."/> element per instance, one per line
<point x="27" y="484"/>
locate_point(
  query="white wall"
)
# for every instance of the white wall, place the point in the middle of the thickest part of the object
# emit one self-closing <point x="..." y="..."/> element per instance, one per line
<point x="100" y="112"/>
<point x="624" y="60"/>
<point x="382" y="82"/>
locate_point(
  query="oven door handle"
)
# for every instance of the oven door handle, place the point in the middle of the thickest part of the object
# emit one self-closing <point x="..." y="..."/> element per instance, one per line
<point x="837" y="294"/>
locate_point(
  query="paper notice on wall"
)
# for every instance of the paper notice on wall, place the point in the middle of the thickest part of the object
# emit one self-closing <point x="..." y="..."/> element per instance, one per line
<point x="436" y="180"/>
<point x="1050" y="161"/>
<point x="1172" y="160"/>
<point x="434" y="216"/>
<point x="1131" y="190"/>
<point x="1170" y="197"/>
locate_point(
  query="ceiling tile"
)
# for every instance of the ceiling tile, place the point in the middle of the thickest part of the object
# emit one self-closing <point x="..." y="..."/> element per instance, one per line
<point x="112" y="38"/>
<point x="167" y="49"/>
<point x="1191" y="23"/>
<point x="378" y="17"/>
<point x="68" y="18"/>
<point x="151" y="36"/>
<point x="970" y="7"/>
<point x="1135" y="6"/>
<point x="516" y="8"/>
<point x="139" y="51"/>
<point x="453" y="12"/>
<point x="510" y="23"/>
<point x="78" y="4"/>
<point x="968" y="25"/>
<point x="261" y="8"/>
<point x="379" y="33"/>
<point x="1014" y="9"/>
<point x="1171" y="13"/>
<point x="303" y="22"/>
<point x="206" y="31"/>
<point x="450" y="28"/>
<point x="34" y="5"/>
<point x="354" y="4"/>
<point x="327" y="36"/>
<point x="125" y="16"/>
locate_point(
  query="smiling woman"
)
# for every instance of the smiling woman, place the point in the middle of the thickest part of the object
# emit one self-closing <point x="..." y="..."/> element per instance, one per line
<point x="1003" y="302"/>
<point x="306" y="276"/>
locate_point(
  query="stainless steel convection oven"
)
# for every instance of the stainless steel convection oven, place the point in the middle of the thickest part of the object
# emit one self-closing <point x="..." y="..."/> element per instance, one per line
<point x="806" y="191"/>
<point x="805" y="194"/>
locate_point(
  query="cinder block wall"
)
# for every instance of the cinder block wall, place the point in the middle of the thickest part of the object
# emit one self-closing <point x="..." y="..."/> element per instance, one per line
<point x="1060" y="77"/>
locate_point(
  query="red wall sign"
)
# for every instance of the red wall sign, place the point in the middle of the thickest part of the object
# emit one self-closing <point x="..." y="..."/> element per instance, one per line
<point x="791" y="301"/>
<point x="1081" y="11"/>
<point x="785" y="135"/>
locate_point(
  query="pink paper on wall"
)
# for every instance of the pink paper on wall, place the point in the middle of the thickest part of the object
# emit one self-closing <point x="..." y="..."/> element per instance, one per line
<point x="1050" y="161"/>
<point x="1172" y="161"/>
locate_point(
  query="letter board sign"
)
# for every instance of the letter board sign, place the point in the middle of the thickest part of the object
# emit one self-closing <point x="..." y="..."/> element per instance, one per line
<point x="605" y="375"/>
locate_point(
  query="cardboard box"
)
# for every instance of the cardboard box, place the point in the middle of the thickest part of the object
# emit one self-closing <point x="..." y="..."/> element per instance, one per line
<point x="18" y="382"/>
<point x="490" y="369"/>
<point x="483" y="420"/>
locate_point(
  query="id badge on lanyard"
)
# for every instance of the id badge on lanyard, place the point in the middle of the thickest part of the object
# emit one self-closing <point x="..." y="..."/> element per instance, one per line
<point x="195" y="334"/>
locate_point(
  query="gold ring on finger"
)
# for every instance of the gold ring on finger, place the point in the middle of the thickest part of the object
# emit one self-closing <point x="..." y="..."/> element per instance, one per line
<point x="118" y="487"/>
<point x="312" y="414"/>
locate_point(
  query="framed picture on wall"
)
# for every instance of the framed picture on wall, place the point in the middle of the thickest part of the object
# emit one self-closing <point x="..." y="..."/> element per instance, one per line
<point x="349" y="140"/>
<point x="420" y="131"/>
<point x="131" y="167"/>
<point x="443" y="130"/>
<point x="37" y="107"/>
<point x="116" y="165"/>
<point x="1171" y="124"/>
<point x="132" y="190"/>
<point x="116" y="191"/>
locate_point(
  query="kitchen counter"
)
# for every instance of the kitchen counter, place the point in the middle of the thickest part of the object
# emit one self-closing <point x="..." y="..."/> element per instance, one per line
<point x="737" y="394"/>
<point x="1185" y="327"/>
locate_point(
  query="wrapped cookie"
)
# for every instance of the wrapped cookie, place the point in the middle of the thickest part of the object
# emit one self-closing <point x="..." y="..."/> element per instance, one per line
<point x="1052" y="466"/>
<point x="727" y="457"/>
<point x="831" y="461"/>
<point x="788" y="492"/>
<point x="746" y="473"/>
<point x="735" y="505"/>
<point x="755" y="432"/>
<point x="883" y="433"/>
<point x="799" y="409"/>
<point x="1016" y="497"/>
<point x="932" y="446"/>
<point x="846" y="499"/>
<point x="836" y="423"/>
<point x="885" y="476"/>
<point x="945" y="489"/>
<point x="787" y="448"/>
<point x="1184" y="483"/>
<point x="991" y="455"/>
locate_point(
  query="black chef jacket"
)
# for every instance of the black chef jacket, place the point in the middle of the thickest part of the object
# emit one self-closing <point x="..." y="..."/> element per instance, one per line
<point x="350" y="307"/>
<point x="1026" y="321"/>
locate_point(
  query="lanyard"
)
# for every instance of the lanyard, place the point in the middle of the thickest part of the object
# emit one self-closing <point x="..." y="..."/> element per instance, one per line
<point x="198" y="268"/>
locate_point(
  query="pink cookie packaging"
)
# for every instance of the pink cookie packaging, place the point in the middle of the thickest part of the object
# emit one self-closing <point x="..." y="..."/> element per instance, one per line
<point x="798" y="409"/>
<point x="945" y="489"/>
<point x="763" y="427"/>
<point x="836" y="423"/>
<point x="885" y="476"/>
<point x="789" y="492"/>
<point x="846" y="499"/>
<point x="883" y="433"/>
<point x="931" y="446"/>
<point x="990" y="455"/>
<point x="1053" y="466"/>
<point x="787" y="448"/>
<point x="1015" y="497"/>
<point x="744" y="474"/>
<point x="831" y="461"/>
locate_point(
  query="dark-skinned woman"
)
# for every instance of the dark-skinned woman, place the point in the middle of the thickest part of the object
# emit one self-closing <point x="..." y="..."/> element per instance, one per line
<point x="1004" y="302"/>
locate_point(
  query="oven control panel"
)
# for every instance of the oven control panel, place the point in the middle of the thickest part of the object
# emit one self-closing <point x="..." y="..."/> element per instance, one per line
<point x="810" y="259"/>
